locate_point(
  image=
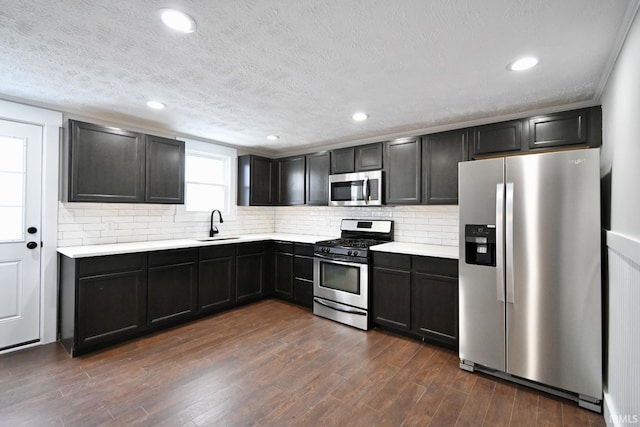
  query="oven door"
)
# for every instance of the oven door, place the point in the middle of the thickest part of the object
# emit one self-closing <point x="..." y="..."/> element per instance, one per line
<point x="341" y="282"/>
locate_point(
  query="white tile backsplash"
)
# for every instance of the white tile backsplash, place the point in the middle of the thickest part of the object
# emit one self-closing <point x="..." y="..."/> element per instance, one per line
<point x="96" y="223"/>
<point x="436" y="225"/>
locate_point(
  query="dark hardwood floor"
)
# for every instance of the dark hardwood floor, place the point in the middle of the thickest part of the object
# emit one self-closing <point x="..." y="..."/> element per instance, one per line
<point x="266" y="364"/>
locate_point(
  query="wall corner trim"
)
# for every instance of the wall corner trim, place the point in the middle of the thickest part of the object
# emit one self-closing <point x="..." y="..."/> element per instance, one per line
<point x="624" y="245"/>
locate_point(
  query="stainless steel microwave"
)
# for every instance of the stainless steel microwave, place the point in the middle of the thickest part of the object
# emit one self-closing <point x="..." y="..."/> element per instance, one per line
<point x="356" y="189"/>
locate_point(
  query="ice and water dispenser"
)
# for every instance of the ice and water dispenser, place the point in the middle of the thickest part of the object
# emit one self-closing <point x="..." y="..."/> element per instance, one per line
<point x="480" y="244"/>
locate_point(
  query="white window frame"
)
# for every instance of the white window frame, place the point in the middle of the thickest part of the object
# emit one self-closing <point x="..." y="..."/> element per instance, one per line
<point x="208" y="149"/>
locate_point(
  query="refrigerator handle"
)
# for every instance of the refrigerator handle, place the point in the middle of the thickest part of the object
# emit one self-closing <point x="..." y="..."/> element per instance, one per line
<point x="509" y="244"/>
<point x="500" y="241"/>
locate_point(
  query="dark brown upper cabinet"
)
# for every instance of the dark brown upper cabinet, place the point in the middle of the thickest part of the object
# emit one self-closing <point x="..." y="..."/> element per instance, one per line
<point x="107" y="164"/>
<point x="164" y="162"/>
<point x="575" y="128"/>
<point x="495" y="138"/>
<point x="355" y="159"/>
<point x="290" y="181"/>
<point x="369" y="157"/>
<point x="560" y="129"/>
<point x="255" y="176"/>
<point x="402" y="171"/>
<point x="317" y="181"/>
<point x="343" y="160"/>
<point x="441" y="153"/>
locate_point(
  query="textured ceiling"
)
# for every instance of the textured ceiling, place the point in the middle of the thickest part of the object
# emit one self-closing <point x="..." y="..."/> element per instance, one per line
<point x="301" y="68"/>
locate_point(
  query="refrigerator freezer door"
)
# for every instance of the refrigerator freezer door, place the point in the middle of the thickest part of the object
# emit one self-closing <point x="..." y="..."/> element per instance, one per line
<point x="481" y="306"/>
<point x="554" y="327"/>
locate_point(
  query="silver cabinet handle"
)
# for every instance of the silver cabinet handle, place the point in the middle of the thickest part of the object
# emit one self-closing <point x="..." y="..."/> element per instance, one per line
<point x="500" y="241"/>
<point x="511" y="298"/>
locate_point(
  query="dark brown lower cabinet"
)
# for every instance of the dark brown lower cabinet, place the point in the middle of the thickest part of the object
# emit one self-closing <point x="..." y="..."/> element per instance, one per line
<point x="250" y="271"/>
<point x="283" y="269"/>
<point x="108" y="299"/>
<point x="303" y="274"/>
<point x="434" y="307"/>
<point x="416" y="295"/>
<point x="216" y="278"/>
<point x="102" y="299"/>
<point x="171" y="285"/>
<point x="392" y="298"/>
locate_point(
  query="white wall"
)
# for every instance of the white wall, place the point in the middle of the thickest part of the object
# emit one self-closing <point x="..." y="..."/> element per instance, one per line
<point x="620" y="165"/>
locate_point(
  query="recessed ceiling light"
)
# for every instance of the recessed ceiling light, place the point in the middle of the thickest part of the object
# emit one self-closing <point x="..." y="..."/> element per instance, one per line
<point x="360" y="117"/>
<point x="155" y="105"/>
<point x="523" y="64"/>
<point x="178" y="20"/>
<point x="273" y="137"/>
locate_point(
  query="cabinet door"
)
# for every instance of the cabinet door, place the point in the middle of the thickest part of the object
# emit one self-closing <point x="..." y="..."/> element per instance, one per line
<point x="554" y="130"/>
<point x="318" y="178"/>
<point x="216" y="283"/>
<point x="441" y="153"/>
<point x="290" y="181"/>
<point x="283" y="274"/>
<point x="303" y="275"/>
<point x="343" y="160"/>
<point x="392" y="298"/>
<point x="496" y="138"/>
<point x="164" y="170"/>
<point x="172" y="282"/>
<point x="435" y="307"/>
<point x="110" y="306"/>
<point x="369" y="157"/>
<point x="250" y="271"/>
<point x="111" y="299"/>
<point x="402" y="178"/>
<point x="260" y="183"/>
<point x="105" y="164"/>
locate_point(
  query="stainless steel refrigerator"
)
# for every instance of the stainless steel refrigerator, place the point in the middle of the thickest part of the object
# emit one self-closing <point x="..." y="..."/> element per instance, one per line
<point x="530" y="283"/>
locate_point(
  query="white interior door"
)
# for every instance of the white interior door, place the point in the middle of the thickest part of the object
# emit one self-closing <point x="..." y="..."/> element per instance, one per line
<point x="20" y="218"/>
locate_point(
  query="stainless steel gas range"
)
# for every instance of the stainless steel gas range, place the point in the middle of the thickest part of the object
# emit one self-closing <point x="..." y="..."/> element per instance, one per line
<point x="341" y="271"/>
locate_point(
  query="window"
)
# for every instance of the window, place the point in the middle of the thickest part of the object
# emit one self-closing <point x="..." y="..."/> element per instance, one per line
<point x="209" y="177"/>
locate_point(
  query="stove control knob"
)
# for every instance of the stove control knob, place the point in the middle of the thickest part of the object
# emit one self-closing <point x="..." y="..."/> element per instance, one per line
<point x="355" y="253"/>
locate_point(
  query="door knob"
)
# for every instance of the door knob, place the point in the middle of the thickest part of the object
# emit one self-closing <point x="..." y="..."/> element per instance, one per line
<point x="32" y="230"/>
<point x="32" y="245"/>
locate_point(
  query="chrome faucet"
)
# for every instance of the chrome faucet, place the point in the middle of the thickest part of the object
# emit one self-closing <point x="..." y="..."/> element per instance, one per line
<point x="214" y="230"/>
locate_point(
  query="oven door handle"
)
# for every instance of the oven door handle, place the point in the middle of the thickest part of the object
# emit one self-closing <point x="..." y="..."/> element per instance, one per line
<point x="339" y="307"/>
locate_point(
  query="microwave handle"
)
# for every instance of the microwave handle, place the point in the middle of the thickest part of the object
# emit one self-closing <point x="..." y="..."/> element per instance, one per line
<point x="365" y="190"/>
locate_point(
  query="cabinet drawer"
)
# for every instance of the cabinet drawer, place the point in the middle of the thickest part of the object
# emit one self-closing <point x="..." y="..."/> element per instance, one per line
<point x="110" y="264"/>
<point x="284" y="247"/>
<point x="436" y="266"/>
<point x="303" y="267"/>
<point x="218" y="251"/>
<point x="394" y="261"/>
<point x="303" y="249"/>
<point x="252" y="248"/>
<point x="179" y="256"/>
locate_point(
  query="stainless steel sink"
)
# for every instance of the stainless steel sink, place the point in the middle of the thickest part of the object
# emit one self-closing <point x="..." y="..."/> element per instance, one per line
<point x="214" y="239"/>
